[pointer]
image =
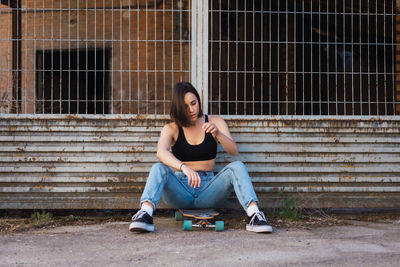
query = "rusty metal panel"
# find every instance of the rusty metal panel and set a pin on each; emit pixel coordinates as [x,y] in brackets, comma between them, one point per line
[102,162]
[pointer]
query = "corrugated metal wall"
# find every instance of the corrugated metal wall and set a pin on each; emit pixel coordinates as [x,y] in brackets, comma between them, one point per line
[102,162]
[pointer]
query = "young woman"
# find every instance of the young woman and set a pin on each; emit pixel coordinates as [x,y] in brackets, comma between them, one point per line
[187,148]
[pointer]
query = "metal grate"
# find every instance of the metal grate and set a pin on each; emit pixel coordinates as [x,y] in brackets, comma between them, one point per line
[286,57]
[92,57]
[336,57]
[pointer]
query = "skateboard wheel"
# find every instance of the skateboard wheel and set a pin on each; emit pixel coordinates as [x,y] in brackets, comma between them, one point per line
[178,216]
[219,226]
[187,225]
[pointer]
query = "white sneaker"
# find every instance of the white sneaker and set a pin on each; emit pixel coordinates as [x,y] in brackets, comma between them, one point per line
[257,223]
[142,222]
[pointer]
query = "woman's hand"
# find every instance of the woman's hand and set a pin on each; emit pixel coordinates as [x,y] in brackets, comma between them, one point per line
[194,179]
[219,129]
[210,127]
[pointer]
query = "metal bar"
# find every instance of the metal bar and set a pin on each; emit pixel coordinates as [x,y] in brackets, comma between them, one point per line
[105,83]
[216,41]
[319,61]
[95,60]
[147,66]
[9,87]
[180,6]
[311,65]
[212,41]
[303,52]
[352,60]
[255,119]
[193,62]
[187,71]
[384,58]
[228,97]
[189,11]
[369,62]
[78,74]
[253,56]
[336,61]
[344,59]
[34,63]
[138,61]
[125,7]
[60,58]
[394,64]
[25,92]
[163,47]
[199,64]
[121,60]
[219,57]
[16,56]
[287,61]
[295,61]
[43,63]
[87,62]
[155,61]
[204,57]
[262,59]
[237,56]
[245,60]
[361,80]
[172,46]
[112,61]
[376,63]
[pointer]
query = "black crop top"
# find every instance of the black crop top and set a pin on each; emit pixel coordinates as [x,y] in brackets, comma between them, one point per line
[184,151]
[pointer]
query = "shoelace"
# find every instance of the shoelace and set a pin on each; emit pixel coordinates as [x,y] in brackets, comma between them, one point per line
[260,215]
[138,214]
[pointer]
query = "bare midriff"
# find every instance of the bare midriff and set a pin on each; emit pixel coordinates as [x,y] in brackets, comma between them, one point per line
[204,165]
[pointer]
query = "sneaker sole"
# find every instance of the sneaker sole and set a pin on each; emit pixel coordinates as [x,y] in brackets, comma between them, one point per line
[141,227]
[259,229]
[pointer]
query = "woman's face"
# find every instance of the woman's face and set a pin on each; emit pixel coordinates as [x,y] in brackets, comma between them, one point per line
[192,105]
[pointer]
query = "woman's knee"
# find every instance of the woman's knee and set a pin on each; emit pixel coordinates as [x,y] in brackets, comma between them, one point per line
[159,167]
[159,170]
[237,165]
[239,170]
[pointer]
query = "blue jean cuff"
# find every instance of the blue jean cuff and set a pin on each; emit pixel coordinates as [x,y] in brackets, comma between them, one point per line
[251,201]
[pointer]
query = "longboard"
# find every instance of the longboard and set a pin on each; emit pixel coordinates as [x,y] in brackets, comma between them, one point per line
[201,216]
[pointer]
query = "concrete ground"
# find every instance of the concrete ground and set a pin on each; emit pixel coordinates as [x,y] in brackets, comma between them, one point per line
[111,244]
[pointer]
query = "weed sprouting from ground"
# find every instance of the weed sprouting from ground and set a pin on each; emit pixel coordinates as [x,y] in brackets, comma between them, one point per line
[72,218]
[38,219]
[289,209]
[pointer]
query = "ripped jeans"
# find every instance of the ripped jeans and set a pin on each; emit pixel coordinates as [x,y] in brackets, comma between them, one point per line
[214,189]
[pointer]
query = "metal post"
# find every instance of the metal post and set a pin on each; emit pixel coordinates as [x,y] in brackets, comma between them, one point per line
[397,60]
[16,56]
[199,49]
[290,62]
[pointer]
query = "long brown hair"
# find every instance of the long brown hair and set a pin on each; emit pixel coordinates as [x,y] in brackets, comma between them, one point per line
[178,112]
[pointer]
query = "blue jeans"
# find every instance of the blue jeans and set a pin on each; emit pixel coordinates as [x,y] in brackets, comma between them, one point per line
[214,189]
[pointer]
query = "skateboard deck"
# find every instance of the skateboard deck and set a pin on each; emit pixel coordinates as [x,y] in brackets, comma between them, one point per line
[201,216]
[199,213]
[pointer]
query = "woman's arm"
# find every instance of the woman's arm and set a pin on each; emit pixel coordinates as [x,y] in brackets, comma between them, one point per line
[165,156]
[163,148]
[220,130]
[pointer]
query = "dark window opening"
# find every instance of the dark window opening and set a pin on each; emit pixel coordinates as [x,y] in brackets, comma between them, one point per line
[72,82]
[303,57]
